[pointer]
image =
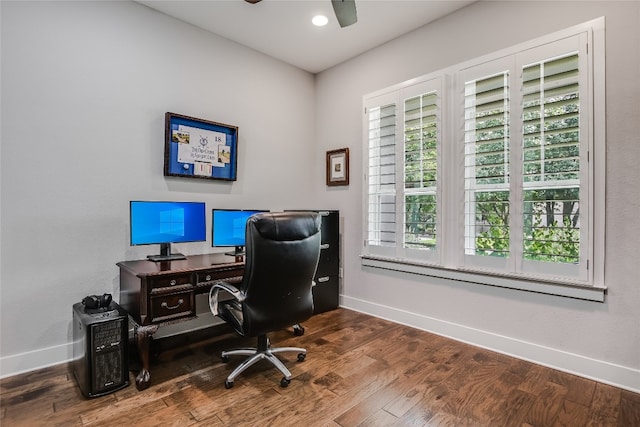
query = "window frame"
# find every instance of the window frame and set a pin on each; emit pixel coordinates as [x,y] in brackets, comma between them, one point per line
[448,262]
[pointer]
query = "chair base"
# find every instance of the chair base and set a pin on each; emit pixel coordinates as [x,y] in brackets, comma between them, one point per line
[263,351]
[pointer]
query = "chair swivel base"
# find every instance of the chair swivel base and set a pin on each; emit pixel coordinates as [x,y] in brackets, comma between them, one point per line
[263,351]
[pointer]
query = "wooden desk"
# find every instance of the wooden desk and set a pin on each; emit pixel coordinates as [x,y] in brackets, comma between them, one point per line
[162,293]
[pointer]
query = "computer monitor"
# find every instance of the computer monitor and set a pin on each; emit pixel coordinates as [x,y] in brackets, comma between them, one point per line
[163,223]
[228,228]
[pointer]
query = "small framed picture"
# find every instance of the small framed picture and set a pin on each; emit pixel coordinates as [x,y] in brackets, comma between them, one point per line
[338,167]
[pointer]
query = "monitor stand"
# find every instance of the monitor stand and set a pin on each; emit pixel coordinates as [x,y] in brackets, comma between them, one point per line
[239,251]
[165,254]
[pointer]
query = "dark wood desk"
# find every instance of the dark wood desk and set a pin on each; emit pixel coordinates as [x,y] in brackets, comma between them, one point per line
[162,293]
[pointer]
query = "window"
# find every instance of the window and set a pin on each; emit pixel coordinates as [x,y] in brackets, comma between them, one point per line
[516,133]
[487,166]
[382,176]
[551,160]
[403,143]
[420,171]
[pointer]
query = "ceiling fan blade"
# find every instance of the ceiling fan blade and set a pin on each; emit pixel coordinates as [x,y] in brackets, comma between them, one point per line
[345,12]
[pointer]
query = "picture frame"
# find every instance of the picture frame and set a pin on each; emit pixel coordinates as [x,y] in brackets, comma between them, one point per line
[338,167]
[198,148]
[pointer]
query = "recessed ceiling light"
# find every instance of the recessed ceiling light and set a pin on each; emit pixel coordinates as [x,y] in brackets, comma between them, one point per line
[320,21]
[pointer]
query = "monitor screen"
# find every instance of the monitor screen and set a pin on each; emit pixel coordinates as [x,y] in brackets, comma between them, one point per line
[167,222]
[228,226]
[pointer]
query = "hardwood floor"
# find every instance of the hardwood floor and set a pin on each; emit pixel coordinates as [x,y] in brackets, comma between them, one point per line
[359,371]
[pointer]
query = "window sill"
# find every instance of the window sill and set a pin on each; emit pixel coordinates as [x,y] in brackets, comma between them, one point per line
[559,289]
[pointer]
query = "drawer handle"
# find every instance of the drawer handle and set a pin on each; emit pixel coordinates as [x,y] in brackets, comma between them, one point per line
[208,277]
[324,246]
[165,305]
[323,279]
[173,282]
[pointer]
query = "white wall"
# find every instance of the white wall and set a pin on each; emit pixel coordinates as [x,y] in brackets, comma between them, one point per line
[599,340]
[85,86]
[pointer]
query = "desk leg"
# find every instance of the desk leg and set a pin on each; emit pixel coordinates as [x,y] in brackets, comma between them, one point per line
[144,335]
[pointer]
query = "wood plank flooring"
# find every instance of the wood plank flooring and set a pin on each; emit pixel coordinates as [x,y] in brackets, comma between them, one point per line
[359,371]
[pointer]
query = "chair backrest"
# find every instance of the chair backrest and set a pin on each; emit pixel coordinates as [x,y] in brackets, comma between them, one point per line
[282,252]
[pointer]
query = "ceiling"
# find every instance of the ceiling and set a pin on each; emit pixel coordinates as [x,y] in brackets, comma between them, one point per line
[282,28]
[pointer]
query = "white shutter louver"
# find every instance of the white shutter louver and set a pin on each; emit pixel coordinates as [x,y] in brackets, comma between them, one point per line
[420,170]
[551,160]
[381,176]
[486,115]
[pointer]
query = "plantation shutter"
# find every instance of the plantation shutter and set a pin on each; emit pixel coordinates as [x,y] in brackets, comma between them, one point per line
[487,165]
[381,178]
[492,170]
[551,160]
[421,151]
[554,206]
[420,170]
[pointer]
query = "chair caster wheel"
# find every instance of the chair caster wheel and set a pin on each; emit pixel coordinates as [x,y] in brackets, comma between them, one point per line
[228,384]
[284,382]
[301,357]
[298,330]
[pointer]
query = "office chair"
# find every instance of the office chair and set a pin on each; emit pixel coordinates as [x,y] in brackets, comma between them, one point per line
[282,252]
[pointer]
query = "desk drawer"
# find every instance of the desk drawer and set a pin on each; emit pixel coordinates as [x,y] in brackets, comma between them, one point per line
[170,306]
[166,283]
[326,294]
[207,276]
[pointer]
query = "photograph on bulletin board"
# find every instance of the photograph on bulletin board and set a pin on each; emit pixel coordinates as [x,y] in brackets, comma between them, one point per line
[198,148]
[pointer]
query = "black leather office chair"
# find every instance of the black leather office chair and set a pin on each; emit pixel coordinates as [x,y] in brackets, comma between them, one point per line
[282,251]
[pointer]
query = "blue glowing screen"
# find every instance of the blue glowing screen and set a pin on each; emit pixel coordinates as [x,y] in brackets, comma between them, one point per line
[167,222]
[228,226]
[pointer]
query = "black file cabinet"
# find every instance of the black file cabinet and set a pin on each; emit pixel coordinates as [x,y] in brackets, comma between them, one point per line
[327,279]
[327,289]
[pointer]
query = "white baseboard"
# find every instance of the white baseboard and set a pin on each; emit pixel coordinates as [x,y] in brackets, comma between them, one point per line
[37,359]
[597,370]
[43,358]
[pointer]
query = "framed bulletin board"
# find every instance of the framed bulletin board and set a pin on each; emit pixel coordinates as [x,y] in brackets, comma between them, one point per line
[197,148]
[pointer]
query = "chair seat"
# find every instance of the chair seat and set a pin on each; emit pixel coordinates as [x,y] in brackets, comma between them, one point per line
[231,312]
